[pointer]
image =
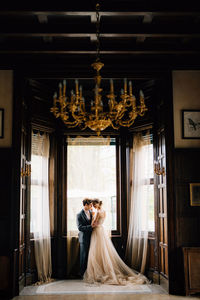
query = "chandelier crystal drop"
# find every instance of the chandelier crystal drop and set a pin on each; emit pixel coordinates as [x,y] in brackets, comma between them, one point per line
[117,113]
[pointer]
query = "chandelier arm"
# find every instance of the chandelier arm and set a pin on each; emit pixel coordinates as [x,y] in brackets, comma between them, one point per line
[114,126]
[120,114]
[78,119]
[127,123]
[71,124]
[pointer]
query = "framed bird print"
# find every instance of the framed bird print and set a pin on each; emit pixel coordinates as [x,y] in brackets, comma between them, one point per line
[195,194]
[191,124]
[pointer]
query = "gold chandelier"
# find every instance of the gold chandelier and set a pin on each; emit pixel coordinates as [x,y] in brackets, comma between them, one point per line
[72,111]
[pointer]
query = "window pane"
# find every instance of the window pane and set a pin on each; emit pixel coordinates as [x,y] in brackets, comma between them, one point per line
[151,208]
[149,188]
[39,187]
[91,173]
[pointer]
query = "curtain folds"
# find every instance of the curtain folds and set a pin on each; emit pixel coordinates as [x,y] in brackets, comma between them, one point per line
[40,220]
[136,251]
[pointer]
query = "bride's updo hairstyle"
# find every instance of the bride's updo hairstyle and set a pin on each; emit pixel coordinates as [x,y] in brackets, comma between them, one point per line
[97,201]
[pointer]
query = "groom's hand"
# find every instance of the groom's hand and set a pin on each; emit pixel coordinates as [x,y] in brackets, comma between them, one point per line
[94,225]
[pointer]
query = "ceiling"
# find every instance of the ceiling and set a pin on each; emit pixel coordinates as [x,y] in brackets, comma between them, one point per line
[134,36]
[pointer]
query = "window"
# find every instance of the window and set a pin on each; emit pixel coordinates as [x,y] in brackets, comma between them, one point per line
[39,184]
[149,185]
[91,173]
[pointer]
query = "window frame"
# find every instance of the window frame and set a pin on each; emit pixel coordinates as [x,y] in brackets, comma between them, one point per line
[116,232]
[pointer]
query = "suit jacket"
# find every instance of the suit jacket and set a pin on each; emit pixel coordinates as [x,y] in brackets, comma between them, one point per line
[84,227]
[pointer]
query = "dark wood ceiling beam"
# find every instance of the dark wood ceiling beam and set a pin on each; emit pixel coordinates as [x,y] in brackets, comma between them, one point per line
[92,36]
[104,52]
[160,13]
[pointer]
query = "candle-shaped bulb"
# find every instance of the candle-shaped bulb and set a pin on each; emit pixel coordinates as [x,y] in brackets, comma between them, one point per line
[76,84]
[130,88]
[60,89]
[80,89]
[141,97]
[122,91]
[125,85]
[141,94]
[54,98]
[111,86]
[72,92]
[64,87]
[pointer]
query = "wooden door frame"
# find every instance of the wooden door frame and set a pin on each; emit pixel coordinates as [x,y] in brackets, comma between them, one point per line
[18,95]
[19,85]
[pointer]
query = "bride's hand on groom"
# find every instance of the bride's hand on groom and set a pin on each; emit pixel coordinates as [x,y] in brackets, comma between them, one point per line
[93,225]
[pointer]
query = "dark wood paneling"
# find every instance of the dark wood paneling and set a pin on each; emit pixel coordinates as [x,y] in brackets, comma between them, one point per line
[187,165]
[4,272]
[5,204]
[191,269]
[5,198]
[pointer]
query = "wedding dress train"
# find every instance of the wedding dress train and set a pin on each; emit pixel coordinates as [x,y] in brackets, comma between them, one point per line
[104,264]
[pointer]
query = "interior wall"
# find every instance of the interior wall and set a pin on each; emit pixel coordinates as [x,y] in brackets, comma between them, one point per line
[186,95]
[6,102]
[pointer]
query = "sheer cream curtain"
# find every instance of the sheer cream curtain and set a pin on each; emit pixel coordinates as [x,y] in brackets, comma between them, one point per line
[40,221]
[136,251]
[88,172]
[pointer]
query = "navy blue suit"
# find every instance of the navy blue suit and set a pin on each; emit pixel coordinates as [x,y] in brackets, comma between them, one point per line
[85,231]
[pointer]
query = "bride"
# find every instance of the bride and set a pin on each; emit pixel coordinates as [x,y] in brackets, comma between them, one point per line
[104,264]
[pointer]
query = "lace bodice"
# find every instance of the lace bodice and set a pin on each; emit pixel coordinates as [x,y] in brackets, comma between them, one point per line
[100,217]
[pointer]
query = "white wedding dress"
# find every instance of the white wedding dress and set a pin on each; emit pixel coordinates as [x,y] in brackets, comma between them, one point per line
[104,264]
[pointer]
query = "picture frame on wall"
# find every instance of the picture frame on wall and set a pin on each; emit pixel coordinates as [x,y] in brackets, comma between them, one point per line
[195,194]
[1,123]
[191,124]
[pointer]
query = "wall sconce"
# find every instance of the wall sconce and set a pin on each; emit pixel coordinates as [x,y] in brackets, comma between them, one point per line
[158,170]
[26,172]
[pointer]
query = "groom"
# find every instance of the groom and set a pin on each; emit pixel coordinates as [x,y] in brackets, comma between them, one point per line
[84,220]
